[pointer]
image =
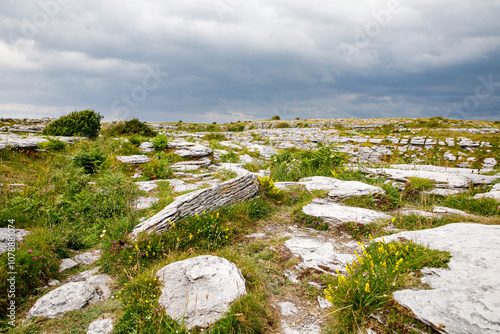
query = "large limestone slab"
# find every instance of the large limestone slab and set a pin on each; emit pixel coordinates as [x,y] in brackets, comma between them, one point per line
[184,166]
[491,194]
[71,296]
[190,150]
[337,213]
[318,254]
[464,297]
[340,189]
[230,192]
[200,290]
[133,159]
[445,178]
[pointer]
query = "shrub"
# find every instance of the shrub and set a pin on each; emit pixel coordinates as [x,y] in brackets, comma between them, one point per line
[157,169]
[215,136]
[86,123]
[160,143]
[133,126]
[292,165]
[53,144]
[269,189]
[275,118]
[380,270]
[90,161]
[282,125]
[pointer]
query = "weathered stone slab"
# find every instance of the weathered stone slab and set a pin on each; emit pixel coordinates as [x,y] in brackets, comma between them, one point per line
[318,254]
[101,326]
[236,190]
[336,213]
[133,159]
[191,150]
[464,297]
[184,166]
[198,291]
[340,189]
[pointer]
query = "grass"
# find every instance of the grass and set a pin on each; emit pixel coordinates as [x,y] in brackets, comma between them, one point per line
[380,270]
[68,206]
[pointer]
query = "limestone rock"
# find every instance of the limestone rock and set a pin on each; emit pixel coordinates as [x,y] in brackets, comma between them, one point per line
[67,264]
[184,166]
[265,151]
[340,189]
[230,144]
[146,147]
[464,297]
[71,296]
[236,190]
[200,290]
[336,213]
[88,257]
[147,186]
[246,159]
[142,202]
[489,163]
[318,254]
[190,150]
[101,326]
[179,186]
[133,159]
[490,194]
[10,237]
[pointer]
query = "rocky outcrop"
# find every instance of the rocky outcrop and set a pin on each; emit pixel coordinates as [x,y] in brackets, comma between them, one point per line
[101,326]
[198,291]
[190,150]
[71,296]
[236,190]
[134,159]
[336,213]
[184,166]
[464,297]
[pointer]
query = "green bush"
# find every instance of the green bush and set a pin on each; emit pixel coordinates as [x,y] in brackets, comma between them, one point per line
[215,136]
[275,118]
[86,123]
[292,165]
[53,144]
[90,161]
[130,127]
[160,143]
[282,125]
[157,169]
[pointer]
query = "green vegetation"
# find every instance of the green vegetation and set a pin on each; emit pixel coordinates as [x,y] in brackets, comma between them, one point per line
[381,269]
[90,161]
[130,127]
[292,165]
[85,123]
[53,144]
[275,118]
[160,143]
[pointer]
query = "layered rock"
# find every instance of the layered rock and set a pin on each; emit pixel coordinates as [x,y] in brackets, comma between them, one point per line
[198,291]
[236,190]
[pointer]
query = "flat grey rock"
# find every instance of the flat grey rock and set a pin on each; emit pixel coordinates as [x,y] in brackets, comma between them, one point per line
[142,202]
[318,254]
[340,189]
[200,290]
[101,326]
[336,213]
[147,186]
[184,166]
[246,159]
[146,147]
[491,194]
[464,297]
[134,159]
[190,150]
[88,257]
[230,144]
[67,264]
[179,186]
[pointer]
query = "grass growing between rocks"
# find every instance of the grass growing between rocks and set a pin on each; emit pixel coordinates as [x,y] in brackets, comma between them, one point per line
[381,269]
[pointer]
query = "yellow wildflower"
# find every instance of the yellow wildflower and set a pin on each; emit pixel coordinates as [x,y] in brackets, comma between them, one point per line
[367,287]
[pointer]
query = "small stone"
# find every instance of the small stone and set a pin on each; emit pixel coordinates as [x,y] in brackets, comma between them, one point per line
[101,326]
[67,264]
[133,159]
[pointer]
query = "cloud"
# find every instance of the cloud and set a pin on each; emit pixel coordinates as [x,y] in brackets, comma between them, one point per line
[234,60]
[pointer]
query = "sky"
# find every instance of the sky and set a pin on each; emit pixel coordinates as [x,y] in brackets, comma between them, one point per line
[229,60]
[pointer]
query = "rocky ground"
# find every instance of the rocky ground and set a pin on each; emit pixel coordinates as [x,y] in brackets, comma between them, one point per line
[216,172]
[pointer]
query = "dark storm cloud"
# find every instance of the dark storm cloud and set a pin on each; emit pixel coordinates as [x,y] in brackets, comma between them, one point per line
[226,60]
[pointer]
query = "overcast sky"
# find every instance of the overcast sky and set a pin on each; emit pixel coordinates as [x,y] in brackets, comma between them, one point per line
[229,60]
